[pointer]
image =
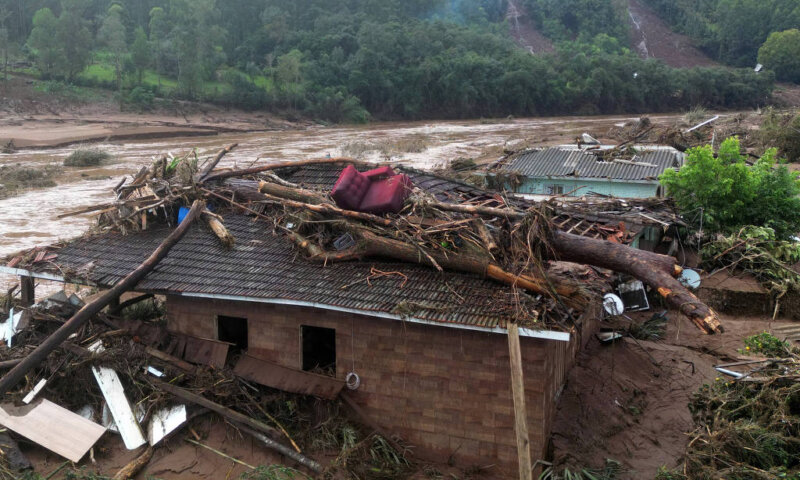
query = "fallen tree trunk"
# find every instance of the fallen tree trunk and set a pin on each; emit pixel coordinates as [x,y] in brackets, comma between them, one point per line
[617,257]
[93,308]
[655,270]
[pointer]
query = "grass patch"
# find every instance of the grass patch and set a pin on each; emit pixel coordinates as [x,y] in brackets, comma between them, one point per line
[86,157]
[16,178]
[696,115]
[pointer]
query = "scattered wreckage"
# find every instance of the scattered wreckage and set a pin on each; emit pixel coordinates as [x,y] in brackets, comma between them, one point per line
[369,213]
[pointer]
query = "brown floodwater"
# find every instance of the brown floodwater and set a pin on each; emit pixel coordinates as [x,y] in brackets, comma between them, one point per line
[30,219]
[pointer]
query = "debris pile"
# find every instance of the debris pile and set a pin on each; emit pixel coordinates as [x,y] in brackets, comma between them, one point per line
[747,427]
[149,377]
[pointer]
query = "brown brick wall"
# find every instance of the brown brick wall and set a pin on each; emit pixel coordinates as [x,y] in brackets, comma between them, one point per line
[447,391]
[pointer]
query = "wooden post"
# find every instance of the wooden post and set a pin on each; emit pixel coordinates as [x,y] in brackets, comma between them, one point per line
[93,308]
[28,291]
[520,412]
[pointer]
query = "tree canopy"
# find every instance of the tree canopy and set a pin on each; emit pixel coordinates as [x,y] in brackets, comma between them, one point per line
[781,54]
[725,193]
[353,59]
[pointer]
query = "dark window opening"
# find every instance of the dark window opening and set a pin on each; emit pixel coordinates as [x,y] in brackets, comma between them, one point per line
[319,349]
[233,330]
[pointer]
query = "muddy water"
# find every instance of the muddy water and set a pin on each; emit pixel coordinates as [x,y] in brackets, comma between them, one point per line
[30,219]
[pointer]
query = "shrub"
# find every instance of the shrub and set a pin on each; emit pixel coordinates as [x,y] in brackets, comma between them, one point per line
[90,157]
[725,194]
[766,344]
[139,99]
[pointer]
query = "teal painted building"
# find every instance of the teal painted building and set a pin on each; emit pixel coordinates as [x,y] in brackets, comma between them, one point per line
[573,172]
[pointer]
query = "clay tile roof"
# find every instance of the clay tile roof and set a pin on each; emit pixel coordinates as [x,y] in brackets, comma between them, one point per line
[265,266]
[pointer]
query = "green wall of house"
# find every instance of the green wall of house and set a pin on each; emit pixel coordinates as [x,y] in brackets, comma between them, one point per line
[578,187]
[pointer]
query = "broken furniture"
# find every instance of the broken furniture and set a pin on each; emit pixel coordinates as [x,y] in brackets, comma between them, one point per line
[379,190]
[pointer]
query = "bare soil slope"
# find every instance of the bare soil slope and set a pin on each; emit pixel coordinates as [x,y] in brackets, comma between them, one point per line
[652,38]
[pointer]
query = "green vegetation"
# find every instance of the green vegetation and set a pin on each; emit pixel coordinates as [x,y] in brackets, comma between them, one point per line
[90,157]
[726,194]
[757,251]
[353,60]
[730,31]
[783,131]
[610,471]
[566,20]
[780,54]
[746,430]
[766,344]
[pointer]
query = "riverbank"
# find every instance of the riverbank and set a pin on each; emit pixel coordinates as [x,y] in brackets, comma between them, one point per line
[32,117]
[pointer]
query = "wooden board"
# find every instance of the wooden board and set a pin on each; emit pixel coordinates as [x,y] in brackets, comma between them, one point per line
[118,404]
[54,428]
[205,351]
[287,379]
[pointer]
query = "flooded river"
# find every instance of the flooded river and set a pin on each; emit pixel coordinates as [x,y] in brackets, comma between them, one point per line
[30,219]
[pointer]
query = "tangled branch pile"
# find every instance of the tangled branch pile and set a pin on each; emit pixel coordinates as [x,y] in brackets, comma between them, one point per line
[749,428]
[756,250]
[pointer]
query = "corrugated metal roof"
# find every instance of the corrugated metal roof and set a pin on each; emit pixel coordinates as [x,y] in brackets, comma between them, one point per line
[263,265]
[558,162]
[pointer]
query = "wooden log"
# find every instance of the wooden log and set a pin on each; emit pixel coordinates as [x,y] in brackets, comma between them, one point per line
[273,166]
[520,412]
[236,417]
[135,466]
[216,226]
[296,194]
[486,237]
[28,291]
[617,257]
[93,308]
[211,165]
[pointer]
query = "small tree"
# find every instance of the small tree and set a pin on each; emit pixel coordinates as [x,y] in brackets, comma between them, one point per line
[730,194]
[140,53]
[43,42]
[112,34]
[781,53]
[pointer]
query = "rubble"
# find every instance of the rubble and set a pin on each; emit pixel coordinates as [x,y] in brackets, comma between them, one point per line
[512,242]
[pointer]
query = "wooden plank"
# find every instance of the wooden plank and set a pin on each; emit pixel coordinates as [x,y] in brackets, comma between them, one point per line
[287,379]
[520,413]
[53,427]
[205,351]
[164,422]
[111,387]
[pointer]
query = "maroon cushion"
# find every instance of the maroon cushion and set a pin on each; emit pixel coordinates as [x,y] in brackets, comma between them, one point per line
[386,196]
[350,188]
[379,173]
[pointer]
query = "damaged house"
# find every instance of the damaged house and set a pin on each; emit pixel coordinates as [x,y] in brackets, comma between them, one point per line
[578,172]
[295,294]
